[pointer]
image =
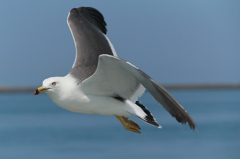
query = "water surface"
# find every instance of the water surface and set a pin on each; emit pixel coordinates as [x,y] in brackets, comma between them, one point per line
[34,127]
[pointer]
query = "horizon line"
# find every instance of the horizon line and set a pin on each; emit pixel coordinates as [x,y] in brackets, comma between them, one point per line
[9,89]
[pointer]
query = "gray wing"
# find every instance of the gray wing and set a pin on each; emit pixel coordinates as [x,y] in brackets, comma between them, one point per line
[88,29]
[117,77]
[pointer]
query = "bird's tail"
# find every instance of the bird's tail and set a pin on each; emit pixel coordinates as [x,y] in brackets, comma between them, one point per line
[145,115]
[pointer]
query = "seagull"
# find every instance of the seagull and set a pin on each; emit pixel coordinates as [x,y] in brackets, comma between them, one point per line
[102,83]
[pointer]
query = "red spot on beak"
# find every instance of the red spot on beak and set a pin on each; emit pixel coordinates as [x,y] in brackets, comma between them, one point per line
[36,92]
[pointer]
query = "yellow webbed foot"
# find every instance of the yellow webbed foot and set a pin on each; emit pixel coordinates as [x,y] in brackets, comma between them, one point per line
[129,124]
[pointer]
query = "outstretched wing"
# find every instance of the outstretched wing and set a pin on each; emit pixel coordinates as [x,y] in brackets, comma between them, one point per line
[88,29]
[117,77]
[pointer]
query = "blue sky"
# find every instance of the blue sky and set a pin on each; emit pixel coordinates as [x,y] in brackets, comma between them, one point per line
[175,42]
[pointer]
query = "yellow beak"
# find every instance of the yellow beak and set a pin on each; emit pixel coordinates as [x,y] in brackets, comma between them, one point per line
[40,90]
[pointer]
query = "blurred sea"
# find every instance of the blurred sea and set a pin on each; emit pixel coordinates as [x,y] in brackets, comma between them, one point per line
[32,127]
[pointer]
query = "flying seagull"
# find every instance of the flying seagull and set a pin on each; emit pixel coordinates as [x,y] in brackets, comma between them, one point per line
[102,83]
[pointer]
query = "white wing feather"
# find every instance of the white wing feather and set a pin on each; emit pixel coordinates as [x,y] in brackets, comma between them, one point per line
[117,77]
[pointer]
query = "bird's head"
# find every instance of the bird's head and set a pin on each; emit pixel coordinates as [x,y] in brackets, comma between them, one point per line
[50,85]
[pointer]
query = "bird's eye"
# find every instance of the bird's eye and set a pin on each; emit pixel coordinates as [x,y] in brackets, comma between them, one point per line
[54,83]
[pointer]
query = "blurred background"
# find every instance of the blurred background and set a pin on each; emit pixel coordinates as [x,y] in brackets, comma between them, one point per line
[175,42]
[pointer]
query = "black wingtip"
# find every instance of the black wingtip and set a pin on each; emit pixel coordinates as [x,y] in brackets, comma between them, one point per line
[191,123]
[93,15]
[188,120]
[171,105]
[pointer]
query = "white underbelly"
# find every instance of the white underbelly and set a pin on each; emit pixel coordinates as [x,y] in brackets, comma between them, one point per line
[94,105]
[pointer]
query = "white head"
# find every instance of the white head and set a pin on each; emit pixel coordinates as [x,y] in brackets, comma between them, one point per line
[50,85]
[58,87]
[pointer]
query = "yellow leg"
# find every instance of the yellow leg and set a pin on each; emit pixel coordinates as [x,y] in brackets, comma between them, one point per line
[129,124]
